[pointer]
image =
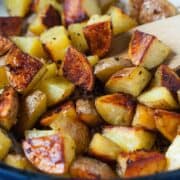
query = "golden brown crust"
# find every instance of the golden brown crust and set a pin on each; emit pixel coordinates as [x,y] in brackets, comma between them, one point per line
[21,68]
[74,12]
[99,37]
[5,44]
[11,26]
[77,69]
[46,153]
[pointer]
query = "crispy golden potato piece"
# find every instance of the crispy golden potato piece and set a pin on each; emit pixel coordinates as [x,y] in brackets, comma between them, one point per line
[144,117]
[3,79]
[108,66]
[9,104]
[77,69]
[116,109]
[158,97]
[5,144]
[89,168]
[98,19]
[5,45]
[103,148]
[23,71]
[11,26]
[87,113]
[146,50]
[167,123]
[93,60]
[172,154]
[130,80]
[74,12]
[166,77]
[152,10]
[51,154]
[129,138]
[140,163]
[99,37]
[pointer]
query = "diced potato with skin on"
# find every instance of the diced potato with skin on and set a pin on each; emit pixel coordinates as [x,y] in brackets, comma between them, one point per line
[99,37]
[130,80]
[18,7]
[103,148]
[23,71]
[173,154]
[146,50]
[93,60]
[116,109]
[140,163]
[87,113]
[105,4]
[129,138]
[32,107]
[30,45]
[18,161]
[105,68]
[158,97]
[167,123]
[144,117]
[56,89]
[56,41]
[77,69]
[5,45]
[166,77]
[3,79]
[5,144]
[89,168]
[51,154]
[77,36]
[11,26]
[9,105]
[121,22]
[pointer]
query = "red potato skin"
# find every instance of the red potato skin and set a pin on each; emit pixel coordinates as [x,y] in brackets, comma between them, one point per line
[5,44]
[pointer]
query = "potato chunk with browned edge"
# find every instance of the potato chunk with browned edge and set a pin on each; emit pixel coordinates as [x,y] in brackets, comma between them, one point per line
[3,79]
[140,163]
[167,123]
[23,71]
[5,45]
[116,109]
[77,69]
[51,154]
[88,168]
[9,105]
[146,50]
[99,37]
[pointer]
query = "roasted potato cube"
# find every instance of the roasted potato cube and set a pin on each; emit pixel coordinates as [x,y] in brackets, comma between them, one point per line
[11,26]
[51,71]
[108,66]
[105,4]
[152,10]
[3,79]
[57,89]
[77,69]
[5,144]
[116,109]
[87,112]
[18,161]
[172,154]
[23,71]
[77,36]
[121,22]
[146,50]
[130,80]
[93,60]
[5,45]
[89,168]
[130,138]
[158,97]
[99,37]
[32,107]
[30,45]
[144,117]
[140,163]
[9,105]
[56,42]
[98,19]
[102,147]
[166,77]
[18,7]
[51,154]
[167,123]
